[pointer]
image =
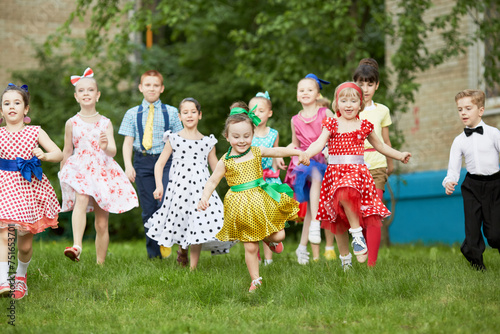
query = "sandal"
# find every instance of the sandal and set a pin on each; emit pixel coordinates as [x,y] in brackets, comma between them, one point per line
[73,253]
[182,257]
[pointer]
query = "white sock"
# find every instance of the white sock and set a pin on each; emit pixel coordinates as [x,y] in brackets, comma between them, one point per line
[302,248]
[356,232]
[22,268]
[4,271]
[327,248]
[346,259]
[266,261]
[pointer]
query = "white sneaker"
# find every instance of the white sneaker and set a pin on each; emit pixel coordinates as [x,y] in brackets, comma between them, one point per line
[302,256]
[346,262]
[315,232]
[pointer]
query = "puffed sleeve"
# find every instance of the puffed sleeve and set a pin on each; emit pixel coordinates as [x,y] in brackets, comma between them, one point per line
[331,124]
[167,135]
[211,141]
[367,127]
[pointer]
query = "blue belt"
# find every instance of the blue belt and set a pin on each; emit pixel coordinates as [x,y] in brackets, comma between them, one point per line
[25,167]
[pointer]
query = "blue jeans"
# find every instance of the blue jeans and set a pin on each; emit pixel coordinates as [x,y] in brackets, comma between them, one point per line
[145,181]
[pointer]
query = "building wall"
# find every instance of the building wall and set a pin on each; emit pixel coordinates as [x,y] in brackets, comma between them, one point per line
[23,23]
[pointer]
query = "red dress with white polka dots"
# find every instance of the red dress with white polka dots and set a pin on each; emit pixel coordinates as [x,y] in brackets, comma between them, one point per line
[351,182]
[29,206]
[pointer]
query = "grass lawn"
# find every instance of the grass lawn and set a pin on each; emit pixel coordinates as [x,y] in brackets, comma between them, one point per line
[413,289]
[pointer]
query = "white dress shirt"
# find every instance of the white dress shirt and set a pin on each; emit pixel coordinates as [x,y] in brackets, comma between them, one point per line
[481,153]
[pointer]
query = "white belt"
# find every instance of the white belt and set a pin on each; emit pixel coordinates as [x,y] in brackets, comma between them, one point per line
[346,159]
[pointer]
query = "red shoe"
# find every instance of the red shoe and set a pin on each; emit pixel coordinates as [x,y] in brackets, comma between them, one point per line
[20,288]
[255,284]
[73,253]
[5,289]
[275,247]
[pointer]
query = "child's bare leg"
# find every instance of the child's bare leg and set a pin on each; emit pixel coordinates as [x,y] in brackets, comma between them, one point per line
[79,218]
[352,216]
[251,259]
[25,246]
[313,205]
[194,256]
[305,228]
[102,233]
[4,244]
[276,237]
[343,243]
[268,254]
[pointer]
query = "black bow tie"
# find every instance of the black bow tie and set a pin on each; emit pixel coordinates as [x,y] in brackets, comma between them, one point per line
[469,131]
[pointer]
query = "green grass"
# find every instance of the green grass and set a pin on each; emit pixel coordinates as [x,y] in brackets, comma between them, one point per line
[413,289]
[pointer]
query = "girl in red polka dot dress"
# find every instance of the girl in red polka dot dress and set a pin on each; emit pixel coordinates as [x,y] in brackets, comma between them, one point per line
[348,198]
[29,203]
[253,209]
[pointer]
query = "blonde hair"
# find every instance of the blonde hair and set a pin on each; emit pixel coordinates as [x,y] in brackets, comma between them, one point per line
[348,92]
[477,96]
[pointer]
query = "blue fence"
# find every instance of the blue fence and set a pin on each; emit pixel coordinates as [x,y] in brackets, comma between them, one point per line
[423,212]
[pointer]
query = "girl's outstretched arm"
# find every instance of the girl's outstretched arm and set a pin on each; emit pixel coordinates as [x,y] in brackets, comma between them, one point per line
[404,157]
[387,141]
[213,181]
[159,166]
[276,152]
[107,141]
[319,144]
[52,151]
[278,162]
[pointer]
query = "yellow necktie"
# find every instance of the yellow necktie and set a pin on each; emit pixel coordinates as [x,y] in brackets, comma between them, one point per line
[147,139]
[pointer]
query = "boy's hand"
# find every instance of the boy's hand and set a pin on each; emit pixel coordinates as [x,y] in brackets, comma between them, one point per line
[281,163]
[103,141]
[202,205]
[406,157]
[450,187]
[37,152]
[158,193]
[304,159]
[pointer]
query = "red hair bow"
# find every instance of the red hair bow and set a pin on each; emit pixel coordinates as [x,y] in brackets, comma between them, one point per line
[88,73]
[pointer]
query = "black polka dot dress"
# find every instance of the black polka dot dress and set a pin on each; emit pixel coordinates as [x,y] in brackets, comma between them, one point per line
[178,221]
[252,215]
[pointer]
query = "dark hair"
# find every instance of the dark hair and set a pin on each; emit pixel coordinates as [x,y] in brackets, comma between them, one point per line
[260,98]
[239,104]
[237,118]
[190,99]
[24,93]
[367,71]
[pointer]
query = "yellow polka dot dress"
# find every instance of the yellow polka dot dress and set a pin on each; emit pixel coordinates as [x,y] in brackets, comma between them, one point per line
[251,215]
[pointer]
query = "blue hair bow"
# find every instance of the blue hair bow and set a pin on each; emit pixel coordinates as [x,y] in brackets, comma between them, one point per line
[23,87]
[318,80]
[264,95]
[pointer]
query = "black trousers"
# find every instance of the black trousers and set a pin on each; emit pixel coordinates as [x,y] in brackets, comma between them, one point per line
[481,195]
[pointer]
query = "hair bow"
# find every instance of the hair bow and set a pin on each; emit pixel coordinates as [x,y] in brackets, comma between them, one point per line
[255,119]
[88,73]
[23,87]
[318,80]
[264,95]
